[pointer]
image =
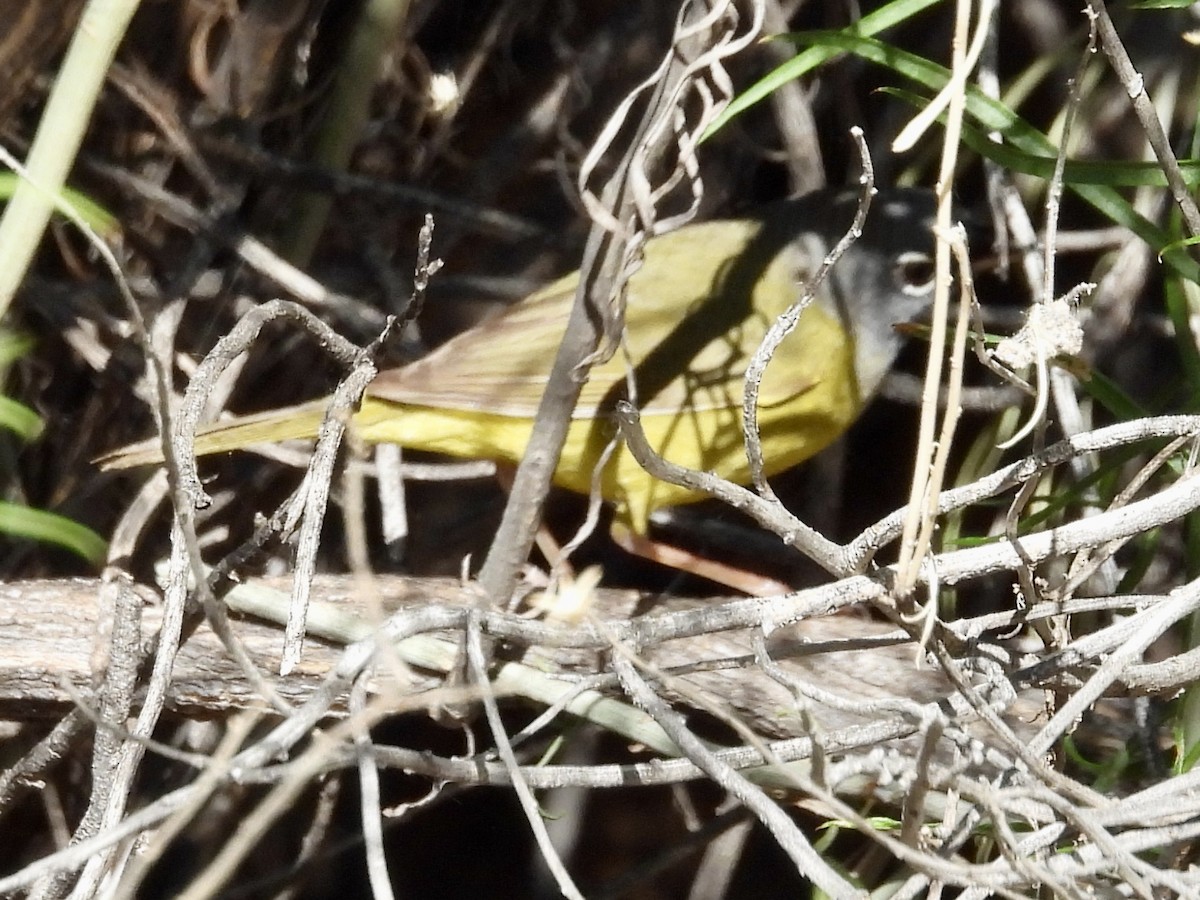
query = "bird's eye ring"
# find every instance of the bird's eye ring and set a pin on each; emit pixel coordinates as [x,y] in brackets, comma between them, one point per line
[913,272]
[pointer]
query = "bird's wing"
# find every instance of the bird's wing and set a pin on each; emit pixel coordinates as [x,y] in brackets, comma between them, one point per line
[689,348]
[499,366]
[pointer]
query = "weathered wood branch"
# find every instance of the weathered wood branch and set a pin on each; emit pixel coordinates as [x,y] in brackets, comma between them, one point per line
[53,634]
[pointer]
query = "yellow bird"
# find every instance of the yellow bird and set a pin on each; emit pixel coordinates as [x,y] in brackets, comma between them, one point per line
[696,312]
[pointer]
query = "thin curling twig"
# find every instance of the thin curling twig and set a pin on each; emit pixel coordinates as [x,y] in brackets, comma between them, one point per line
[785,832]
[318,481]
[769,513]
[227,349]
[854,556]
[786,323]
[957,241]
[1086,564]
[692,71]
[310,500]
[924,491]
[478,659]
[1135,87]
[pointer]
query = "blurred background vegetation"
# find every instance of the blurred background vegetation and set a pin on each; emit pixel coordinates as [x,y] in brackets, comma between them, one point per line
[327,130]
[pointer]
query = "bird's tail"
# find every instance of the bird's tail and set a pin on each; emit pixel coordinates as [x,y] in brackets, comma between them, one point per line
[270,427]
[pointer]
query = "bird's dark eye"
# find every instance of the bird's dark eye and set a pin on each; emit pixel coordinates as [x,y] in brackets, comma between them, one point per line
[913,272]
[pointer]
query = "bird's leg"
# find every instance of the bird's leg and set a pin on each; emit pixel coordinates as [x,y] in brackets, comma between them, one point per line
[743,580]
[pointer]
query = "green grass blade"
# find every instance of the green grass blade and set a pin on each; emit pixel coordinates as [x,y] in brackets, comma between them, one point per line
[893,14]
[38,525]
[13,346]
[96,216]
[19,418]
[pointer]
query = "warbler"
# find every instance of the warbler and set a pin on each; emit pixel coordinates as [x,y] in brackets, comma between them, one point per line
[696,312]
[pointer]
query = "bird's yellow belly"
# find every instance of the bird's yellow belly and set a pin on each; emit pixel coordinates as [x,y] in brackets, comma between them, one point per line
[706,434]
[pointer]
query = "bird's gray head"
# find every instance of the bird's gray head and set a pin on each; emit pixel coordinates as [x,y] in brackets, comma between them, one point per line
[885,278]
